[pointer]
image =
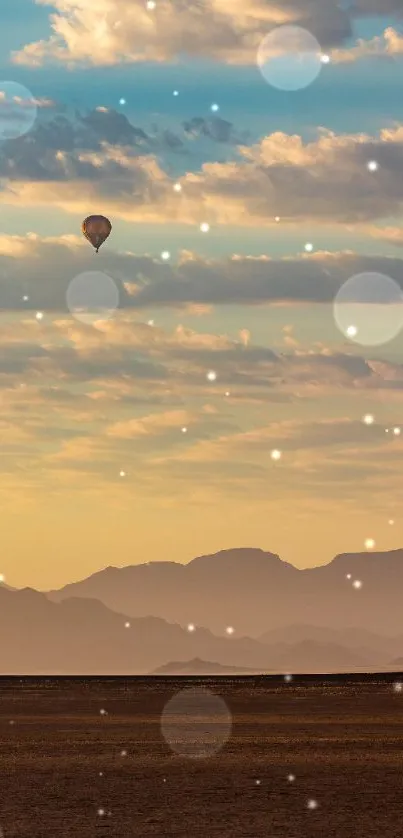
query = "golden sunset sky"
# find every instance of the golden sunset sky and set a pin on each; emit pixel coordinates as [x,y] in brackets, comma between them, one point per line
[147,434]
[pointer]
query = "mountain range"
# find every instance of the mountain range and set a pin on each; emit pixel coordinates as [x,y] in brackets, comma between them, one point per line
[80,636]
[166,618]
[254,591]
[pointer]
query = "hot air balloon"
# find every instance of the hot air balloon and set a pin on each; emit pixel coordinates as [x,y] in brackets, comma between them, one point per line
[96,229]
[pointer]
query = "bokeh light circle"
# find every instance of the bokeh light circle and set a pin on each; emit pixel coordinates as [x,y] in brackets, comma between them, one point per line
[196,723]
[18,110]
[92,296]
[289,58]
[368,309]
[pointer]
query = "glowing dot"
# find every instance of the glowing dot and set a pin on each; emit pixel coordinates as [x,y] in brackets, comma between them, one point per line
[288,678]
[372,166]
[39,315]
[165,254]
[369,543]
[277,218]
[150,322]
[357,584]
[227,393]
[291,778]
[123,753]
[127,625]
[312,804]
[103,712]
[176,93]
[391,522]
[25,298]
[101,812]
[351,331]
[204,227]
[191,627]
[122,474]
[397,686]
[151,4]
[101,774]
[122,101]
[368,419]
[211,375]
[348,575]
[215,107]
[177,187]
[184,430]
[2,577]
[309,247]
[229,630]
[275,455]
[257,782]
[396,431]
[325,59]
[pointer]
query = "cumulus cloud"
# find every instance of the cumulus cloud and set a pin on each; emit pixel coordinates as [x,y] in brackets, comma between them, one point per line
[125,31]
[43,268]
[387,45]
[279,176]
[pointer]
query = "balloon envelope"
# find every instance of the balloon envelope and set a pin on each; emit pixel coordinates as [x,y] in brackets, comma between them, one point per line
[96,229]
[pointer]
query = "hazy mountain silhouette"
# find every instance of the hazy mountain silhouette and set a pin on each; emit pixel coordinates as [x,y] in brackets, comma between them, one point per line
[83,637]
[199,667]
[363,641]
[255,591]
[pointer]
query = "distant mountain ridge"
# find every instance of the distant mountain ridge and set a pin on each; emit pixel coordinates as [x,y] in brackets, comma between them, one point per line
[255,591]
[80,636]
[199,667]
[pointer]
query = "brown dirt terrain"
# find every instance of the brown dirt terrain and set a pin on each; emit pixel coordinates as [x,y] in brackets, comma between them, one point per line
[341,738]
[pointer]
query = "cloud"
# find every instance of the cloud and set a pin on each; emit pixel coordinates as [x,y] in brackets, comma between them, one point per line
[43,268]
[230,31]
[151,425]
[279,176]
[327,457]
[387,45]
[287,436]
[217,129]
[80,404]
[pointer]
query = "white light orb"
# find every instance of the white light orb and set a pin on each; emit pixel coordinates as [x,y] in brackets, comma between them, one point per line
[18,110]
[92,296]
[373,303]
[289,58]
[195,723]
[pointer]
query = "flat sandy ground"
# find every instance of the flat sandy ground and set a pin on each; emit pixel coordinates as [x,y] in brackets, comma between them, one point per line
[61,760]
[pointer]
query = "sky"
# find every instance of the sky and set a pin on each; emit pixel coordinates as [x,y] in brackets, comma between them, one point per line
[227,371]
